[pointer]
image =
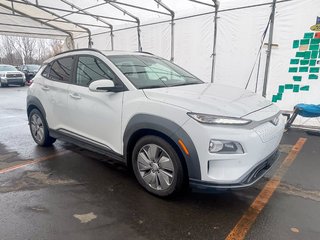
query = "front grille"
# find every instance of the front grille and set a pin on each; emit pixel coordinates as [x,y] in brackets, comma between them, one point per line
[13,75]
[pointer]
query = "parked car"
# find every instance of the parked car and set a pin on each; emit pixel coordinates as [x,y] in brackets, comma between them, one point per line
[168,126]
[10,75]
[30,70]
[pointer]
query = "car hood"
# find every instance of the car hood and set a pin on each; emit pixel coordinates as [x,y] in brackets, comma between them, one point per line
[3,73]
[11,72]
[210,99]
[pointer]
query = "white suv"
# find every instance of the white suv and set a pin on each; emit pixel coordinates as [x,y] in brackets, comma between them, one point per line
[171,128]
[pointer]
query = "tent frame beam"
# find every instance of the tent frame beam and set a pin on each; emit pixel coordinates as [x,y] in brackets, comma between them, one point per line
[45,19]
[203,3]
[137,7]
[93,16]
[72,12]
[28,26]
[65,19]
[41,22]
[28,33]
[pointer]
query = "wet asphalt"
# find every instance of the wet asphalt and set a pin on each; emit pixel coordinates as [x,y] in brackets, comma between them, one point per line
[83,195]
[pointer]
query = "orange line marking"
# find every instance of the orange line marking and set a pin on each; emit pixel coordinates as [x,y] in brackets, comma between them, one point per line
[9,169]
[248,218]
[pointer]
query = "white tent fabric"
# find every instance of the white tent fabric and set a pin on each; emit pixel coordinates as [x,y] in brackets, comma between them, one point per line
[63,13]
[239,38]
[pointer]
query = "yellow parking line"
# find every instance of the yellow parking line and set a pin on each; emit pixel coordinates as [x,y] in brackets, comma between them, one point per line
[37,160]
[248,218]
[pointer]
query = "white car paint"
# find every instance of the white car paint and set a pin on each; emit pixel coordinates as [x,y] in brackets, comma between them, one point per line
[103,117]
[210,99]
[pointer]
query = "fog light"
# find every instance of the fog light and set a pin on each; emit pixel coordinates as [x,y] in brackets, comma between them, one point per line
[225,147]
[215,146]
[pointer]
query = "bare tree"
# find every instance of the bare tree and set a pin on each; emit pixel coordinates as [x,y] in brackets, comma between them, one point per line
[56,46]
[20,50]
[42,48]
[9,53]
[26,47]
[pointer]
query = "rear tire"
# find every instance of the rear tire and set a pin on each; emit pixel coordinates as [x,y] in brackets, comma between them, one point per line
[157,166]
[39,129]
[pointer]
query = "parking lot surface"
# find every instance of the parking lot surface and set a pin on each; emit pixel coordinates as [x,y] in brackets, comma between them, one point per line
[66,192]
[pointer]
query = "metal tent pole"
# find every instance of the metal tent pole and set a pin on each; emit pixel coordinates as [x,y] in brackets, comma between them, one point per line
[172,38]
[216,7]
[266,73]
[159,2]
[35,19]
[93,16]
[132,16]
[65,19]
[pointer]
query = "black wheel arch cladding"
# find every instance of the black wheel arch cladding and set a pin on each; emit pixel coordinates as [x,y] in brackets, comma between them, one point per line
[171,130]
[34,102]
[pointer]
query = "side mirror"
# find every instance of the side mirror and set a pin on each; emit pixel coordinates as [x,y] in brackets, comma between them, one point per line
[104,85]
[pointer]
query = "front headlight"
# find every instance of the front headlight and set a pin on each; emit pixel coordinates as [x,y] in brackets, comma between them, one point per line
[220,120]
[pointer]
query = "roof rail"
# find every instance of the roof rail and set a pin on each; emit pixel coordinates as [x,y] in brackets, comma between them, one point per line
[79,49]
[145,52]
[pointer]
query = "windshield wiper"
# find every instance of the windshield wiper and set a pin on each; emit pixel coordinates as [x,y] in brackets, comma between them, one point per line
[183,84]
[153,86]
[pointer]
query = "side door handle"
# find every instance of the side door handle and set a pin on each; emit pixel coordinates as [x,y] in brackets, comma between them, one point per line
[45,88]
[75,95]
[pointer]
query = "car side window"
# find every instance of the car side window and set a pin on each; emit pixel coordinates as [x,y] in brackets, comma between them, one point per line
[61,69]
[46,71]
[90,69]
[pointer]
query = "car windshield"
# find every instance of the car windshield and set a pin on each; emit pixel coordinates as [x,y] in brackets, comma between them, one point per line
[7,68]
[152,72]
[33,67]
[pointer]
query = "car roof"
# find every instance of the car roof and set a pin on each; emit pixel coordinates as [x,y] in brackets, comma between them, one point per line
[104,52]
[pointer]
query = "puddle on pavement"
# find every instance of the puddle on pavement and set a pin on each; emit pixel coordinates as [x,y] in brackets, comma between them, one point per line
[33,180]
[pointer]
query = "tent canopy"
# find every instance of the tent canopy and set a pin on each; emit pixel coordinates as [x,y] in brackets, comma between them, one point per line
[72,18]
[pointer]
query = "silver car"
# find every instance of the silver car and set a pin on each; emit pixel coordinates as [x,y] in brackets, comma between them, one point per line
[10,75]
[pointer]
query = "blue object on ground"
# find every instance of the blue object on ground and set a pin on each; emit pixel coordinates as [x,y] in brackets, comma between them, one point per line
[308,110]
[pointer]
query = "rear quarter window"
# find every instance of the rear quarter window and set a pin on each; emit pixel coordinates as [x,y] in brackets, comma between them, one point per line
[46,71]
[59,70]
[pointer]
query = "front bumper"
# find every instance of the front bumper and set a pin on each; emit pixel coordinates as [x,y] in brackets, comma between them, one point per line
[260,144]
[13,80]
[252,177]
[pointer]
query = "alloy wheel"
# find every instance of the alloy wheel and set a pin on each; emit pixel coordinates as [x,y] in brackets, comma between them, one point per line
[155,167]
[37,127]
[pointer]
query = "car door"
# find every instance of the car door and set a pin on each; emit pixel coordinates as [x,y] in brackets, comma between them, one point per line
[95,116]
[55,86]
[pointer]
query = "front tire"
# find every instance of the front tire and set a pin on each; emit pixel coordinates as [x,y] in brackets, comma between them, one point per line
[157,166]
[39,129]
